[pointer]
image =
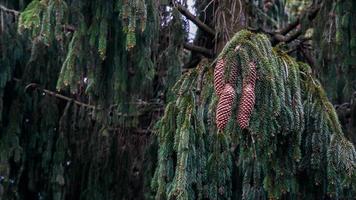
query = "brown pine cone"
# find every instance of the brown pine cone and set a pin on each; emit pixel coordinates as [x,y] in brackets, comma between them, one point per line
[233,73]
[246,105]
[219,77]
[252,74]
[247,101]
[224,108]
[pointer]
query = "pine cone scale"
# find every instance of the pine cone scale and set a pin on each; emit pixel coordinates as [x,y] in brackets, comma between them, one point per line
[224,108]
[247,101]
[219,77]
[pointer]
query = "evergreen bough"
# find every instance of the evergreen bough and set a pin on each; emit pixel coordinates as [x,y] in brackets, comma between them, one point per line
[293,147]
[73,77]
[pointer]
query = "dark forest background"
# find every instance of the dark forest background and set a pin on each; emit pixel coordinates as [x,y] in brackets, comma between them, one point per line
[114,100]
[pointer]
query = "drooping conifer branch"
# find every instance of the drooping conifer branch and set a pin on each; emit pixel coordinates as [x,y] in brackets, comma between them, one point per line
[184,11]
[280,109]
[37,48]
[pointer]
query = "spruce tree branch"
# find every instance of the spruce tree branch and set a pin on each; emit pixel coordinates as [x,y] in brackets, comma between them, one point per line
[296,26]
[14,12]
[293,36]
[192,63]
[289,27]
[308,57]
[57,95]
[260,29]
[184,11]
[158,107]
[202,50]
[301,43]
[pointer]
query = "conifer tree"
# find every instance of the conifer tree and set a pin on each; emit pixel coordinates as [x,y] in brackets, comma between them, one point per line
[267,130]
[94,104]
[76,82]
[335,27]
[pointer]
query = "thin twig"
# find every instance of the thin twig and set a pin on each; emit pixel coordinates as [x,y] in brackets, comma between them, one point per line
[60,96]
[57,95]
[14,12]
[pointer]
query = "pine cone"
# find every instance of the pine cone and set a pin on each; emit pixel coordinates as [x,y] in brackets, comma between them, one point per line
[246,105]
[233,73]
[247,101]
[224,108]
[252,74]
[219,77]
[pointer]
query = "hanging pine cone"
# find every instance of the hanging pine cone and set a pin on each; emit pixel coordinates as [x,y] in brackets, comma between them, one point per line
[224,108]
[247,101]
[252,74]
[219,77]
[233,73]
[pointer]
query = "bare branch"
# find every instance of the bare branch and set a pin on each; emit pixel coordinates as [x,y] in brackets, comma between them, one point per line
[289,27]
[157,107]
[280,36]
[294,36]
[193,63]
[14,12]
[310,60]
[260,29]
[60,96]
[301,43]
[184,11]
[202,50]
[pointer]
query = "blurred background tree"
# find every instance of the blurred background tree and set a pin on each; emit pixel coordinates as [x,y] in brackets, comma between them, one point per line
[83,83]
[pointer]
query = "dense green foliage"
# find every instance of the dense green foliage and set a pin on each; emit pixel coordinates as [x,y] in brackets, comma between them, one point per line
[83,84]
[294,147]
[52,148]
[335,35]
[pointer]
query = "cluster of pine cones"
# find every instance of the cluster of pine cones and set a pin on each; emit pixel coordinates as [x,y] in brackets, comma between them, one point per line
[225,89]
